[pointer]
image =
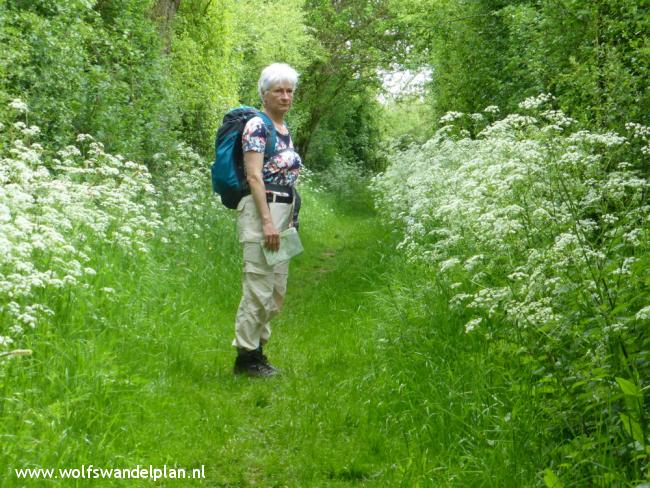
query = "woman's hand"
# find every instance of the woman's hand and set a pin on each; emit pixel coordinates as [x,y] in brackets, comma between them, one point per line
[271,237]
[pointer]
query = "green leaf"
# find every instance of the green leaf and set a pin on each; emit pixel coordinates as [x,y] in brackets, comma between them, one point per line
[551,480]
[632,428]
[628,387]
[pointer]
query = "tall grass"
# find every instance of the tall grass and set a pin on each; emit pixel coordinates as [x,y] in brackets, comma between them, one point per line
[143,375]
[113,334]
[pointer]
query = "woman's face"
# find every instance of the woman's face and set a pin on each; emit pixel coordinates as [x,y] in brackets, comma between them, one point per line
[279,97]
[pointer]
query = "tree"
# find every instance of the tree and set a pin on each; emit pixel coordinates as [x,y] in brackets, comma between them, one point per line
[218,50]
[354,40]
[86,67]
[164,12]
[593,56]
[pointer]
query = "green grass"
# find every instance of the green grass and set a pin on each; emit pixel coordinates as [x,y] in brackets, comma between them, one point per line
[381,387]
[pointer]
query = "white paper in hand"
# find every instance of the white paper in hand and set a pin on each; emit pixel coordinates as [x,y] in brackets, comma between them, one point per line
[290,246]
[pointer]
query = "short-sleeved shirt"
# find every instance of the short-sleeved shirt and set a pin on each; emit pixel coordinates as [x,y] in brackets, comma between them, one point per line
[283,168]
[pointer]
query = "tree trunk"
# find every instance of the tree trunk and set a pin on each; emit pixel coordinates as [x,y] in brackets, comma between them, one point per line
[307,131]
[163,13]
[317,112]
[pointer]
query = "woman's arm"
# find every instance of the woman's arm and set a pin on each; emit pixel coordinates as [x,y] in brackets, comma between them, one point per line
[253,163]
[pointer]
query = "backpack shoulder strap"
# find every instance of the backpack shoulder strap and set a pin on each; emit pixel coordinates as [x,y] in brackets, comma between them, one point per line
[269,149]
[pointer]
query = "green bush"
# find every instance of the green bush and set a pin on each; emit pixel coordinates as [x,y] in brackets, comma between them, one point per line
[86,67]
[593,56]
[539,234]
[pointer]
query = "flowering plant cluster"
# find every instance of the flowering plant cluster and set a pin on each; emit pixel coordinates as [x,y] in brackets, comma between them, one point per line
[58,209]
[188,209]
[540,232]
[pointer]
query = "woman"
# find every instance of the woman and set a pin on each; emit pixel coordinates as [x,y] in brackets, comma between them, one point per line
[263,214]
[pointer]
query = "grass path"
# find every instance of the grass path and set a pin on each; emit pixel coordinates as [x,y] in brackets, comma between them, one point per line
[317,424]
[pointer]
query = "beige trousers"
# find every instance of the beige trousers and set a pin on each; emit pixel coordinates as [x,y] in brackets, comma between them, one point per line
[264,286]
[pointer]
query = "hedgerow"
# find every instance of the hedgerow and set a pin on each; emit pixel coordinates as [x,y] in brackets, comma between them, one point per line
[539,232]
[58,209]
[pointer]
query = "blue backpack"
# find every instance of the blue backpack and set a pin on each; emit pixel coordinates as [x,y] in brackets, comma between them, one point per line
[228,179]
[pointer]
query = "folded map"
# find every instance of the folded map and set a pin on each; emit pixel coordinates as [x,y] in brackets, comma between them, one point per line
[290,246]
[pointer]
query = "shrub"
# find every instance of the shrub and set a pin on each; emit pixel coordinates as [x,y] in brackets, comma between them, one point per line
[89,67]
[57,213]
[540,232]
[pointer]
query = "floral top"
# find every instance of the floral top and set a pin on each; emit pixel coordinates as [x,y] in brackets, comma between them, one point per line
[283,168]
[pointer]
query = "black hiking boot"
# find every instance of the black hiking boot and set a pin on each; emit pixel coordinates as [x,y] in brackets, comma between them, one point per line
[253,363]
[264,360]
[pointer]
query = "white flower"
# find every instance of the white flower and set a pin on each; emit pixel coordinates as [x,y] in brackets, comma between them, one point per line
[530,203]
[535,102]
[5,213]
[624,269]
[643,314]
[69,151]
[31,131]
[450,117]
[16,329]
[558,118]
[448,264]
[472,324]
[638,130]
[18,105]
[5,341]
[633,237]
[565,240]
[587,225]
[608,139]
[615,327]
[517,275]
[609,219]
[491,109]
[84,137]
[471,263]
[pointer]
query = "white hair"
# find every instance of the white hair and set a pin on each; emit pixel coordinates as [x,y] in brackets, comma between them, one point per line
[276,73]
